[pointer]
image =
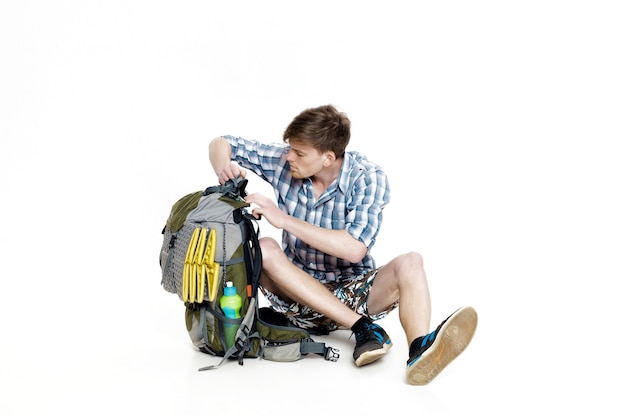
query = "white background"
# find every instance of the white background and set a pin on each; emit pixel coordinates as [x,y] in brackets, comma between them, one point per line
[501,127]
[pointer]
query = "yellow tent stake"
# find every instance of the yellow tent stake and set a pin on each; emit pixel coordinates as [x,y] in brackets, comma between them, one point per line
[201,245]
[210,254]
[192,283]
[213,278]
[212,267]
[191,249]
[198,291]
[200,269]
[201,281]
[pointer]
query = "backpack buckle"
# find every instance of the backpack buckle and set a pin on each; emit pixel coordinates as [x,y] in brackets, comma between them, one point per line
[332,354]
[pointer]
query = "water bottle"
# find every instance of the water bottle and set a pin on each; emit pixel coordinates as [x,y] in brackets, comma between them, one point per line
[230,304]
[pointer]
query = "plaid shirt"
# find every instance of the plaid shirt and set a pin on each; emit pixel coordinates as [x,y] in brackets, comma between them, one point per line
[354,203]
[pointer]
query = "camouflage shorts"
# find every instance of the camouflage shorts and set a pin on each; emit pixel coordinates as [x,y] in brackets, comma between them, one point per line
[353,292]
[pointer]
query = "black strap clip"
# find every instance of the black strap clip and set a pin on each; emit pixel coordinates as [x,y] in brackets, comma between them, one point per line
[332,354]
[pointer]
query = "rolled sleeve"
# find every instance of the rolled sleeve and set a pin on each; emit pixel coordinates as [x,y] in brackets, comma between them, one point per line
[370,194]
[262,159]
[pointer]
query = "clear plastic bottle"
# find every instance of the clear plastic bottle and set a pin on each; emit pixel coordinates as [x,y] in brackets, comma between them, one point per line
[230,303]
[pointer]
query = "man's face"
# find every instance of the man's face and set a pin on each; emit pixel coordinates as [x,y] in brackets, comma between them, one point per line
[304,160]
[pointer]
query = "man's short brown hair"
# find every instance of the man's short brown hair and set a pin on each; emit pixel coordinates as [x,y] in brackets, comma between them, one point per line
[324,127]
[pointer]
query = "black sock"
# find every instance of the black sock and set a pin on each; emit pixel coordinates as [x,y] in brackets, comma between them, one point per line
[360,322]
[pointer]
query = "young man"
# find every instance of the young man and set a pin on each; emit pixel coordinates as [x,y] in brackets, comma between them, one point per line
[330,205]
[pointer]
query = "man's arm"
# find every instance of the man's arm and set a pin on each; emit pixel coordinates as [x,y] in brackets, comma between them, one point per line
[220,154]
[337,243]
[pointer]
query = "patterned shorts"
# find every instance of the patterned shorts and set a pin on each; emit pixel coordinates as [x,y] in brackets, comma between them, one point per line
[353,292]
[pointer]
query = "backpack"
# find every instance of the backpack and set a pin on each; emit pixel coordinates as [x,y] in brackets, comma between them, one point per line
[210,238]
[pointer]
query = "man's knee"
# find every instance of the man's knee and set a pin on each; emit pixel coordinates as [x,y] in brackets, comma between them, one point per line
[271,252]
[268,242]
[409,262]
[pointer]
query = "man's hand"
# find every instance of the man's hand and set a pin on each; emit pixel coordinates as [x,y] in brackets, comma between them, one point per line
[230,171]
[265,206]
[220,156]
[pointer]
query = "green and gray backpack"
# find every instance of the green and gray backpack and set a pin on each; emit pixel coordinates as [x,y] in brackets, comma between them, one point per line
[210,238]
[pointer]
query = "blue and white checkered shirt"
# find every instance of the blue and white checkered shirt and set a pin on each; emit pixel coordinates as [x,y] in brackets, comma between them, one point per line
[354,202]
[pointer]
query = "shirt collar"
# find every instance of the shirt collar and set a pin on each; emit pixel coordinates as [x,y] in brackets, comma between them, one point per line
[343,181]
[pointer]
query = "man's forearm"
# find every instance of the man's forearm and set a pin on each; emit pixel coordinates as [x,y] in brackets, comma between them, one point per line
[338,243]
[220,154]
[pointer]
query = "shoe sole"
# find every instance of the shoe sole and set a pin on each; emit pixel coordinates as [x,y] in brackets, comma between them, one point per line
[452,339]
[372,355]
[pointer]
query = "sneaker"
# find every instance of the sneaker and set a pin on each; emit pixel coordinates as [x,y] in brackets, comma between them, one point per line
[371,341]
[430,354]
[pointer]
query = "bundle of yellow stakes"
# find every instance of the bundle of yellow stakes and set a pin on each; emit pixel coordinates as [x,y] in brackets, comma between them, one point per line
[200,268]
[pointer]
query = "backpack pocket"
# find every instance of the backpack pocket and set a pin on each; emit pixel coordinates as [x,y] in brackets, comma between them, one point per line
[281,341]
[207,331]
[281,350]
